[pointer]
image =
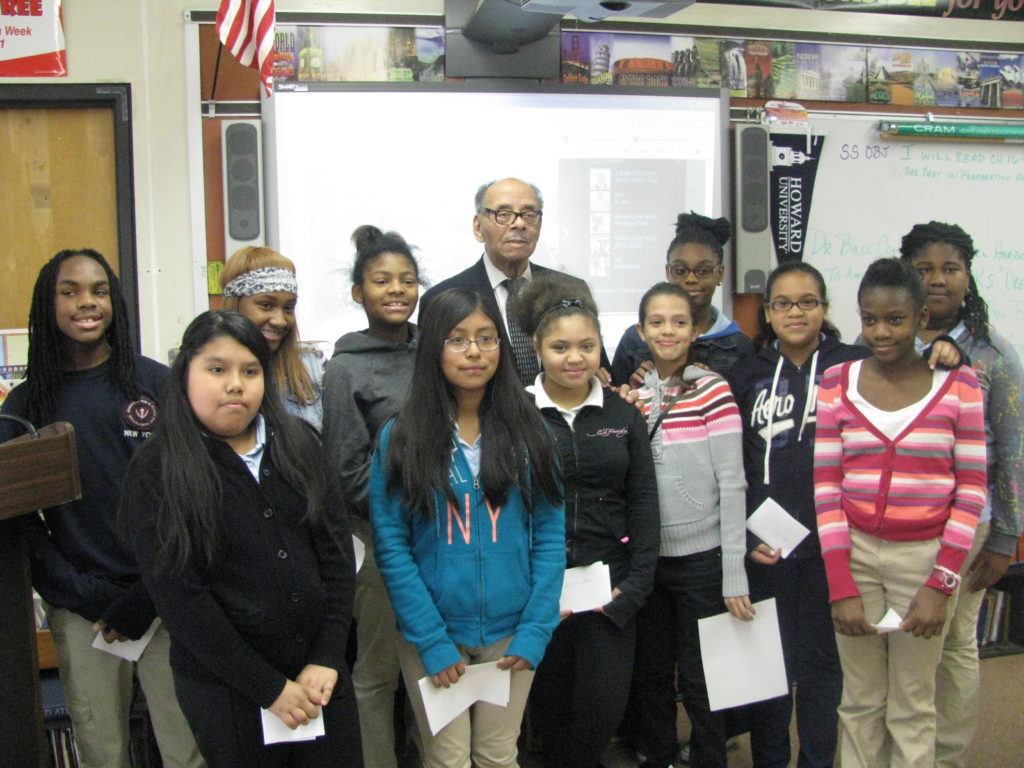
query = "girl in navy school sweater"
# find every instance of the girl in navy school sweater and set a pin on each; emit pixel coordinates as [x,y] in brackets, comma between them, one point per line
[611,516]
[243,543]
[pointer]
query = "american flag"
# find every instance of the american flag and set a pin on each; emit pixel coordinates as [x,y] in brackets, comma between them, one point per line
[246,28]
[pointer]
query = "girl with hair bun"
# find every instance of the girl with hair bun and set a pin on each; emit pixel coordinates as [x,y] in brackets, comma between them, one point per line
[695,262]
[942,254]
[611,513]
[260,283]
[899,484]
[366,383]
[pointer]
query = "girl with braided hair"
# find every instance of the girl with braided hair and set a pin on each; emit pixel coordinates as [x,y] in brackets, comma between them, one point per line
[611,509]
[82,369]
[942,254]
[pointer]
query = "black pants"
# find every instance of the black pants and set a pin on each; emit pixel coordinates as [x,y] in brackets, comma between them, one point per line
[800,589]
[229,731]
[580,689]
[685,589]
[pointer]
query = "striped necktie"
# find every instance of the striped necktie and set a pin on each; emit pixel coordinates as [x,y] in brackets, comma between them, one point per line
[522,345]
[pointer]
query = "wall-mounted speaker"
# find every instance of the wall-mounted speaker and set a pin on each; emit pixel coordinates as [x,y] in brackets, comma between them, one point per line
[755,250]
[242,150]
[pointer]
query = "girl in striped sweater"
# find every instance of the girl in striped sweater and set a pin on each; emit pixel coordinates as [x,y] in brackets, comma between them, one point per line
[695,432]
[899,484]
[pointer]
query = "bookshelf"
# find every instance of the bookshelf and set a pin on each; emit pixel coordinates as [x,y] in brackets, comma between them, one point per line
[1001,620]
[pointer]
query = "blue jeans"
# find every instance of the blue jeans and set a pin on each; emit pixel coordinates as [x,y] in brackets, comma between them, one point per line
[686,589]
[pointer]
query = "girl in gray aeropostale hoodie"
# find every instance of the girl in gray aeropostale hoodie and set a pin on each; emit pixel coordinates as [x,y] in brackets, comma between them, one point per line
[365,384]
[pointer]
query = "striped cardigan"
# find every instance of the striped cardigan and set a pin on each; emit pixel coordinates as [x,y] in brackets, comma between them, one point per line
[698,462]
[927,483]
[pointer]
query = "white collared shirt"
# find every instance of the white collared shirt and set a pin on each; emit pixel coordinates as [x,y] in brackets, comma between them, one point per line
[540,396]
[252,458]
[495,276]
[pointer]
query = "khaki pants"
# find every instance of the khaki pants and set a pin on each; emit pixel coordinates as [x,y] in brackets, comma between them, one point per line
[484,736]
[887,714]
[98,687]
[957,678]
[376,671]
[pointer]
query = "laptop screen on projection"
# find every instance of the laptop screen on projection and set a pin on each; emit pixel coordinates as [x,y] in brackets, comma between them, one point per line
[615,167]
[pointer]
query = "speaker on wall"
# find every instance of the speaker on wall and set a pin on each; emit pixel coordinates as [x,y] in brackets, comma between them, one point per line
[755,251]
[242,150]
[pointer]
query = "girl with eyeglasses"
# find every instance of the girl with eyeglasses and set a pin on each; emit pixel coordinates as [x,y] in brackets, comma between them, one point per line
[611,516]
[695,264]
[775,389]
[469,526]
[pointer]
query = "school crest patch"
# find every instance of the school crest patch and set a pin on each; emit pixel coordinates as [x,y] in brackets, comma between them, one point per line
[140,414]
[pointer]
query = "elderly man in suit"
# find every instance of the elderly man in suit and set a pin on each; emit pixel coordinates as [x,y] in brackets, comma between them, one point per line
[507,221]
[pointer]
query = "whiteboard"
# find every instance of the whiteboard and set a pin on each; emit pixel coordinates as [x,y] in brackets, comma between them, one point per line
[615,167]
[870,191]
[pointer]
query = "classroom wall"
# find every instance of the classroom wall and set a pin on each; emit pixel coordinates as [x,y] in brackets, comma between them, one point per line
[142,42]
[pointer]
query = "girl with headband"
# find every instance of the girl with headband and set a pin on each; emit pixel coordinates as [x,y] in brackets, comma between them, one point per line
[260,283]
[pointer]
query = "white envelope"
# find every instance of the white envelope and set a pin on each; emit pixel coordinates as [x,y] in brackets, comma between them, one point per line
[129,650]
[275,731]
[585,588]
[773,525]
[743,659]
[482,682]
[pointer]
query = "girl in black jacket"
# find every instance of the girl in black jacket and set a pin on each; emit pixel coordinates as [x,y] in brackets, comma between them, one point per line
[243,544]
[611,515]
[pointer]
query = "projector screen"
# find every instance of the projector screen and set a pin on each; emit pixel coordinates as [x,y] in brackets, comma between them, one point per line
[614,165]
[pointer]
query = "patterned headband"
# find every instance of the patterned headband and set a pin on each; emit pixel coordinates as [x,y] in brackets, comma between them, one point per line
[266,280]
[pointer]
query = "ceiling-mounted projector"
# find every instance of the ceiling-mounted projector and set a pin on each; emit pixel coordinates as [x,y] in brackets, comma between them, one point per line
[598,10]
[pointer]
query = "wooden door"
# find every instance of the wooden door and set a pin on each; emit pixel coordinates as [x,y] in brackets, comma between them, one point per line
[57,190]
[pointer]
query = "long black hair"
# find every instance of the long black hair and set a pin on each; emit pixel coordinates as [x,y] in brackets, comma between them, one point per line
[974,312]
[516,447]
[694,228]
[766,335]
[48,352]
[187,521]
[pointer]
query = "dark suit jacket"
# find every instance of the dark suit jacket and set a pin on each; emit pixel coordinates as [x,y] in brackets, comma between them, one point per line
[476,277]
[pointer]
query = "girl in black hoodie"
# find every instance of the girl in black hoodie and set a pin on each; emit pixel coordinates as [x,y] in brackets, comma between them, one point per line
[775,389]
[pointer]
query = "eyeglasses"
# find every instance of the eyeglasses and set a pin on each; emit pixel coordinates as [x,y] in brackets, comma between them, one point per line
[682,271]
[784,305]
[483,343]
[505,216]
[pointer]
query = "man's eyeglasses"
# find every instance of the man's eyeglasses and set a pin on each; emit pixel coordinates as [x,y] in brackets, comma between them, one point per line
[682,271]
[784,305]
[504,217]
[483,343]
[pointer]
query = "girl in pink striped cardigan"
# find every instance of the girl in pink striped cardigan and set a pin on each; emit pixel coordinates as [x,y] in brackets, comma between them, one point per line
[899,484]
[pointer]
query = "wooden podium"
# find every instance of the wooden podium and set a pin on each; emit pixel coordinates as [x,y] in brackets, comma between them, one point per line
[37,470]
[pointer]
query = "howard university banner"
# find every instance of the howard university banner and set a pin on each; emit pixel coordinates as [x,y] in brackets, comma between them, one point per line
[794,166]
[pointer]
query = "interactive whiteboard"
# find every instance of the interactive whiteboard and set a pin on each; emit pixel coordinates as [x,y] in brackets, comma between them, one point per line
[615,166]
